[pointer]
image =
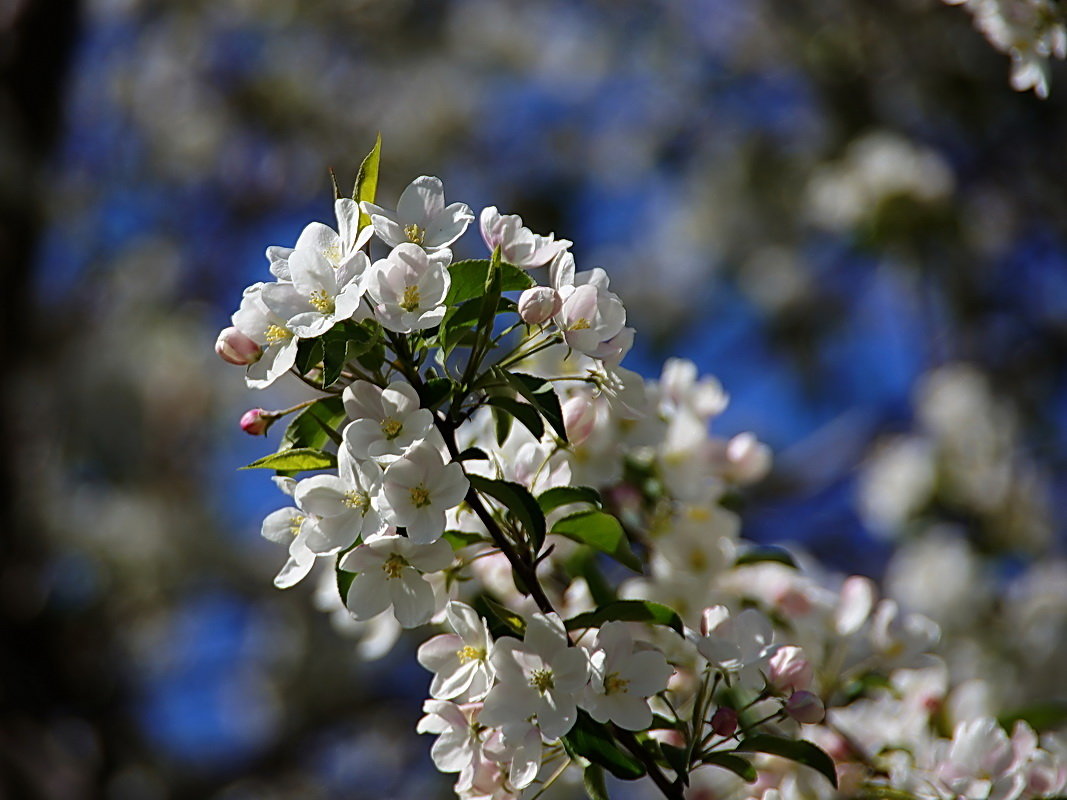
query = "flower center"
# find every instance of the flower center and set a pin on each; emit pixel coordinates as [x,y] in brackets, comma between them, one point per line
[323,302]
[468,653]
[415,234]
[354,499]
[295,522]
[276,334]
[541,680]
[411,299]
[581,324]
[420,496]
[394,565]
[333,255]
[391,428]
[613,683]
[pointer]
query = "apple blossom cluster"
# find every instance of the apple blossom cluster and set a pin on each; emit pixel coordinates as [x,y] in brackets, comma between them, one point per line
[475,457]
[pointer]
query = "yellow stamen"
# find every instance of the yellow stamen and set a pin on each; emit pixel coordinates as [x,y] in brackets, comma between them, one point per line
[580,325]
[415,234]
[391,428]
[394,565]
[420,496]
[613,683]
[323,302]
[541,680]
[276,334]
[295,523]
[468,653]
[411,299]
[354,499]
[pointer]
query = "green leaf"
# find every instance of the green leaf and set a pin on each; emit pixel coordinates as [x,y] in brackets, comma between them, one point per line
[435,391]
[798,750]
[523,412]
[308,355]
[344,581]
[601,532]
[473,454]
[678,759]
[737,765]
[366,187]
[759,555]
[501,425]
[461,539]
[516,499]
[592,741]
[1040,717]
[593,781]
[468,280]
[565,495]
[629,611]
[309,427]
[297,459]
[507,622]
[583,564]
[540,394]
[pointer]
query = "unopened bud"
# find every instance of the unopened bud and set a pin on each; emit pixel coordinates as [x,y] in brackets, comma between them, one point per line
[805,707]
[724,721]
[236,348]
[539,304]
[789,670]
[256,421]
[579,417]
[748,459]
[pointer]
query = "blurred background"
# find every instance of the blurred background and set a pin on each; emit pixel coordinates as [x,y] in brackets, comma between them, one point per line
[842,210]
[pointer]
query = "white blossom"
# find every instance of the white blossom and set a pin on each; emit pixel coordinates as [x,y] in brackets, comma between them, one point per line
[421,217]
[460,660]
[342,503]
[622,678]
[518,245]
[418,489]
[408,288]
[386,422]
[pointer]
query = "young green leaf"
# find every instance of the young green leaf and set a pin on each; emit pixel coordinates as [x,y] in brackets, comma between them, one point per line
[309,427]
[565,495]
[297,459]
[601,532]
[737,765]
[516,499]
[523,412]
[592,741]
[468,280]
[629,611]
[501,619]
[366,187]
[435,391]
[308,355]
[677,758]
[798,750]
[593,781]
[540,394]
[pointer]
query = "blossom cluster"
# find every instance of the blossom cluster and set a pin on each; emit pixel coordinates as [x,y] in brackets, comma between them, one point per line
[482,461]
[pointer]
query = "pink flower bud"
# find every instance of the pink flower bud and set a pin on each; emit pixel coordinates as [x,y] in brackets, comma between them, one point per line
[579,417]
[789,670]
[539,304]
[748,459]
[255,421]
[724,721]
[236,348]
[805,707]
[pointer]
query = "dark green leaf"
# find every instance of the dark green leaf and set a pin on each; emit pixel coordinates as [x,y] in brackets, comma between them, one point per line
[737,765]
[591,740]
[798,750]
[344,582]
[1040,717]
[473,454]
[600,531]
[309,427]
[468,280]
[758,555]
[516,499]
[366,187]
[308,355]
[435,391]
[501,425]
[677,758]
[564,495]
[461,539]
[583,564]
[540,394]
[629,611]
[523,412]
[593,781]
[298,459]
[501,619]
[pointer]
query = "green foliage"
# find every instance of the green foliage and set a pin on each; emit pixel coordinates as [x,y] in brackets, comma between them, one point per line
[538,393]
[592,741]
[297,459]
[565,495]
[518,500]
[1040,717]
[523,412]
[593,782]
[798,750]
[629,611]
[601,532]
[502,620]
[737,765]
[366,187]
[469,279]
[759,555]
[312,427]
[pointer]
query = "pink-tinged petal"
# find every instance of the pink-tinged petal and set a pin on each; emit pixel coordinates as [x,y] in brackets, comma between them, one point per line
[368,595]
[526,762]
[421,201]
[412,598]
